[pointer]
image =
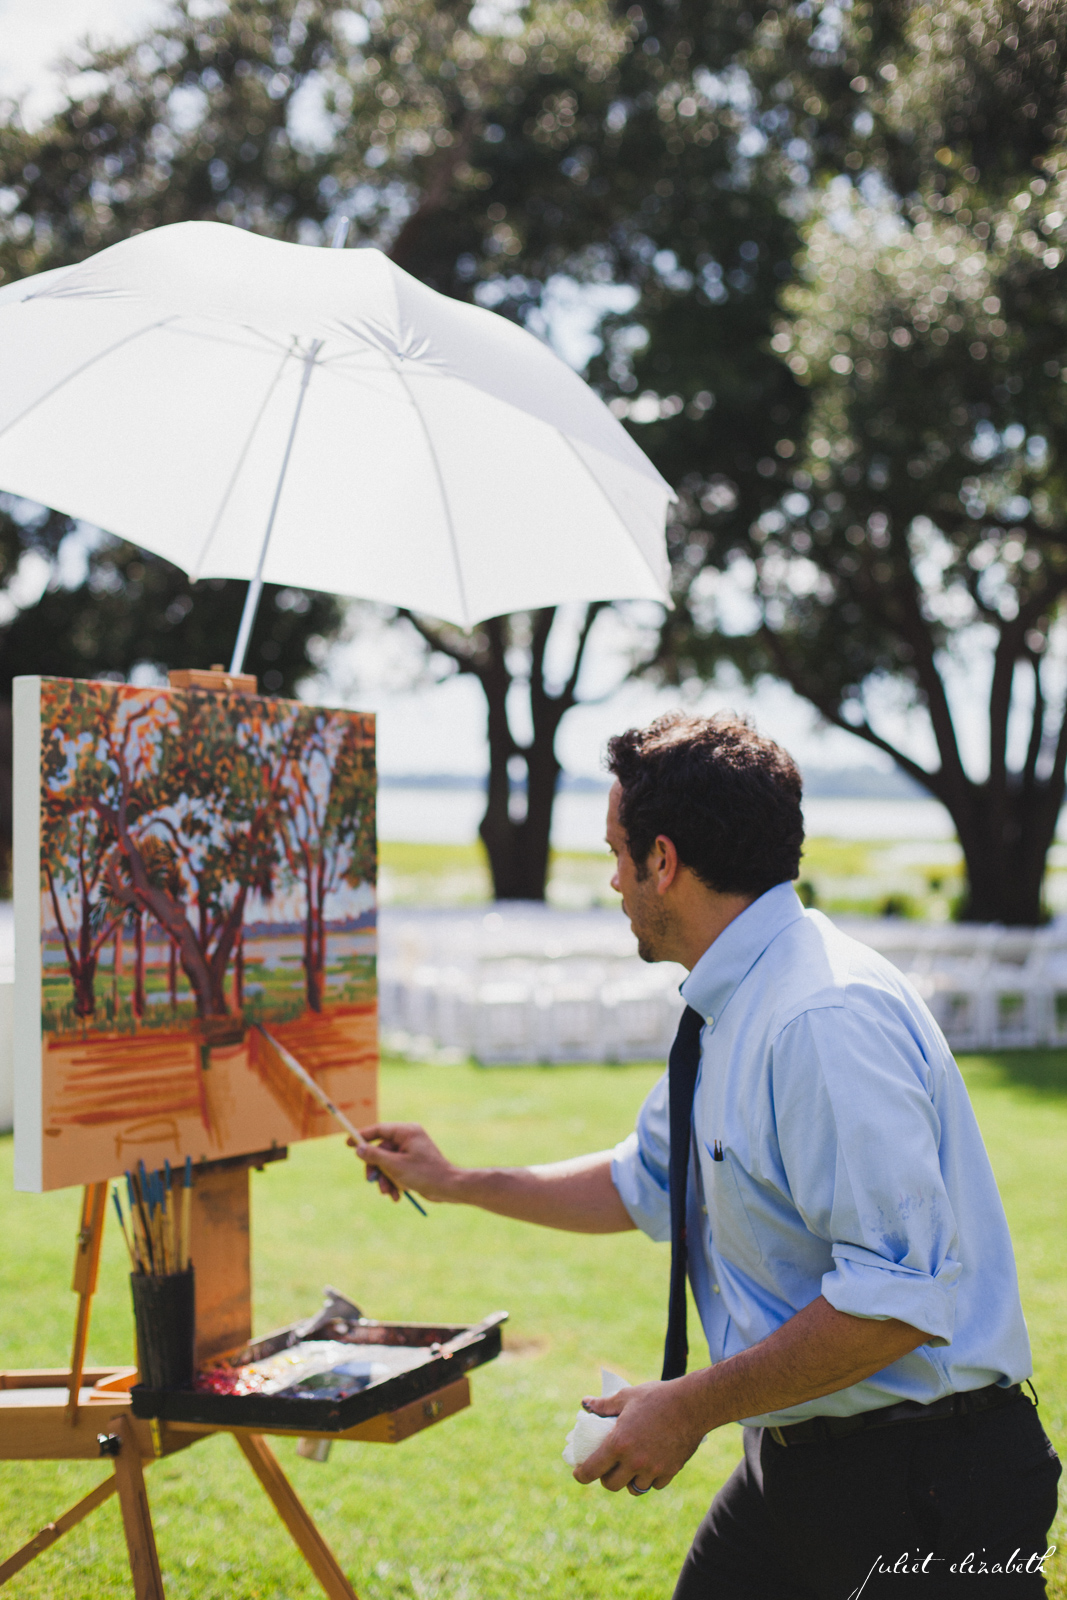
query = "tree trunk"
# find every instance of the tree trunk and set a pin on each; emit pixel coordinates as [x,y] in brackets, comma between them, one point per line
[140,895]
[319,946]
[517,845]
[85,973]
[1005,840]
[232,930]
[138,967]
[172,975]
[312,976]
[312,912]
[519,848]
[84,984]
[1005,824]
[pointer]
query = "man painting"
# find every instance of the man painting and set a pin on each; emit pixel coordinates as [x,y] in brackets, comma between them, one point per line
[832,1203]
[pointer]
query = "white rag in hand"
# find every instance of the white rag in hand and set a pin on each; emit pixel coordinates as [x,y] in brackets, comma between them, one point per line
[589,1430]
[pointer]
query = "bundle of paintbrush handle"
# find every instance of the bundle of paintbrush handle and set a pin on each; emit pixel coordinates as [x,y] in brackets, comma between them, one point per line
[159,1217]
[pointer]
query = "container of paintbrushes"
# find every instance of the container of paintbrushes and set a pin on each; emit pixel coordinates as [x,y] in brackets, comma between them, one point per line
[162,1281]
[164,1312]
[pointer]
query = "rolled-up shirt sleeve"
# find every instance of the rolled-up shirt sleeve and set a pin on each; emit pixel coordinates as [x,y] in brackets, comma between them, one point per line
[858,1135]
[640,1166]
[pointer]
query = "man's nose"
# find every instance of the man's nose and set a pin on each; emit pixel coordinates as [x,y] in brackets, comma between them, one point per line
[615,884]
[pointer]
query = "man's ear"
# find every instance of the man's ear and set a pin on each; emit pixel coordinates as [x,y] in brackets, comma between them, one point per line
[664,863]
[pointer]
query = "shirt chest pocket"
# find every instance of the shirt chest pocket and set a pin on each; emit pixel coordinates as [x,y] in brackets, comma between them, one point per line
[732,1230]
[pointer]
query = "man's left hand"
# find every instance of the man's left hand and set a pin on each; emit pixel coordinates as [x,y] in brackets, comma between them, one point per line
[819,1351]
[653,1439]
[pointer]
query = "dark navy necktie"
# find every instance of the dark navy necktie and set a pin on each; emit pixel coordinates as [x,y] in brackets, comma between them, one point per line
[682,1069]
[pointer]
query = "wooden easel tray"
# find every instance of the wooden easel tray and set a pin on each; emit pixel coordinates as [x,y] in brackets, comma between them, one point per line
[460,1347]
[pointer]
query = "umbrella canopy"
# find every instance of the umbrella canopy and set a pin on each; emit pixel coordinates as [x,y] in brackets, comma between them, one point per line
[198,387]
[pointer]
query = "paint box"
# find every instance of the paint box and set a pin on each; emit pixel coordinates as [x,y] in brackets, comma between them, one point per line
[444,1352]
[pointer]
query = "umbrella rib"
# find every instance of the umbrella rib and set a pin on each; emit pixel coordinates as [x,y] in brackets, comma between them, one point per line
[238,469]
[101,355]
[446,508]
[262,343]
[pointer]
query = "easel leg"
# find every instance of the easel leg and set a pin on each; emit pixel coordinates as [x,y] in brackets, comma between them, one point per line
[316,1552]
[86,1266]
[136,1517]
[55,1530]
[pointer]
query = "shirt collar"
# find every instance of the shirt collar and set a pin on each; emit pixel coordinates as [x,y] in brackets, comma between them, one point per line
[725,964]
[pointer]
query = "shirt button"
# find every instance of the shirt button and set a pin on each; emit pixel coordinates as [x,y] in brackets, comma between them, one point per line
[711,1022]
[717,1290]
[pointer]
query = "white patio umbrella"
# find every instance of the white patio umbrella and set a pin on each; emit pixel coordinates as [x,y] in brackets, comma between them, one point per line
[319,418]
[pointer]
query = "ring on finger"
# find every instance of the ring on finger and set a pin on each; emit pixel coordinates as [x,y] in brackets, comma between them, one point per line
[632,1486]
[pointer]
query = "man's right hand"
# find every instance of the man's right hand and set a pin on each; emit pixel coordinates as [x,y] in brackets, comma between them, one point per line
[406,1158]
[577,1195]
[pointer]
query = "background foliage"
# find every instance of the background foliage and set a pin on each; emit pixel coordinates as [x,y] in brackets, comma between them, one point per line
[824,249]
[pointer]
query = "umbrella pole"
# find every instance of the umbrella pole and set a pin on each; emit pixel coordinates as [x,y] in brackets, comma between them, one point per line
[255,587]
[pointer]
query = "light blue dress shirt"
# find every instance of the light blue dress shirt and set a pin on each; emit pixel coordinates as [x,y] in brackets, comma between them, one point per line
[851,1163]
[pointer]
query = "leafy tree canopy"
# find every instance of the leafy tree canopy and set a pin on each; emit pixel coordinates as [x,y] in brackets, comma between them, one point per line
[841,230]
[904,525]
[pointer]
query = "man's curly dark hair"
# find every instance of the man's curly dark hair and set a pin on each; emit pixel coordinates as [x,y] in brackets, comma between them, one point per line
[728,799]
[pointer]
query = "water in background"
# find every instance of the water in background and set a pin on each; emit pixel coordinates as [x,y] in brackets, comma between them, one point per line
[427,815]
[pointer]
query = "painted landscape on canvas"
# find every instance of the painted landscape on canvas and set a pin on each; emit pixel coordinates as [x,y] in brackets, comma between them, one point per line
[207,871]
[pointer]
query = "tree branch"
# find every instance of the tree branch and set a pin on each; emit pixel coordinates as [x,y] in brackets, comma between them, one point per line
[438,641]
[543,620]
[72,960]
[1037,725]
[592,612]
[917,633]
[832,714]
[1059,763]
[1000,693]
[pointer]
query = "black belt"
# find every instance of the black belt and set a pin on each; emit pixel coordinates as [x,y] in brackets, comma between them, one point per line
[817,1430]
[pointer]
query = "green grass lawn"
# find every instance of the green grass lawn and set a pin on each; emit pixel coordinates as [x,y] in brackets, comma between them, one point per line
[480,1507]
[854,876]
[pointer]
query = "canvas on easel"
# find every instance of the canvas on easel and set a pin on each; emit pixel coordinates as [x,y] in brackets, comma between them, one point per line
[194,888]
[191,866]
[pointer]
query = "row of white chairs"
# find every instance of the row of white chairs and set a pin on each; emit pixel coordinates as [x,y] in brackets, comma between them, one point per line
[996,1007]
[989,987]
[626,1021]
[532,984]
[523,1019]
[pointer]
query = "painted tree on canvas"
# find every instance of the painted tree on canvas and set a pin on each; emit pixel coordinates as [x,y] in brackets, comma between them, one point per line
[327,828]
[214,817]
[156,807]
[86,916]
[176,811]
[78,841]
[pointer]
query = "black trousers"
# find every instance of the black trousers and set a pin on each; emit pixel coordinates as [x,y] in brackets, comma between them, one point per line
[830,1521]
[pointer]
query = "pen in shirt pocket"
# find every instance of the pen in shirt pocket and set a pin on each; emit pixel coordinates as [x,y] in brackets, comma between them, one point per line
[716,1151]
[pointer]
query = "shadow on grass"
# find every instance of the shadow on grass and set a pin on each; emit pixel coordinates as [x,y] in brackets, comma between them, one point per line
[1042,1072]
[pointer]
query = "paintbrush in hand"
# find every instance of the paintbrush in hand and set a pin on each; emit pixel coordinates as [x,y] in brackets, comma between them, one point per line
[324,1100]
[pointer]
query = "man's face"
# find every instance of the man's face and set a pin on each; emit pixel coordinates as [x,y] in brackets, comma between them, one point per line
[645,907]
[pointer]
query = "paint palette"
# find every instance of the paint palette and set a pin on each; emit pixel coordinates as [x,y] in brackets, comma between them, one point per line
[404,1361]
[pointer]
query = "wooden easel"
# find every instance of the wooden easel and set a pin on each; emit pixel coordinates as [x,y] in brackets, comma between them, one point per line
[85,1413]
